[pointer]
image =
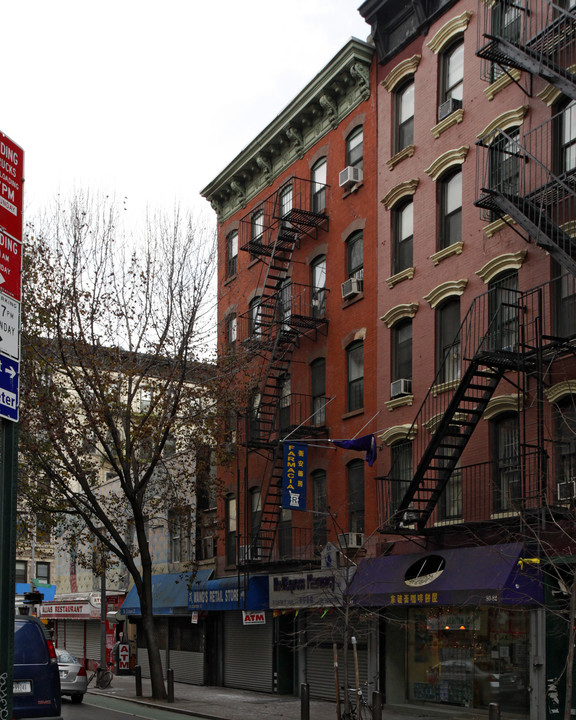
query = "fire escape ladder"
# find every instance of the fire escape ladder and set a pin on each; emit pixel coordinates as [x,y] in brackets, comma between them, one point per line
[540,40]
[447,443]
[263,540]
[515,183]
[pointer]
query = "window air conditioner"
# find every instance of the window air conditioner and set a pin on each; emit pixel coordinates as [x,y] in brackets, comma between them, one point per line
[566,490]
[403,386]
[351,287]
[351,540]
[448,107]
[349,177]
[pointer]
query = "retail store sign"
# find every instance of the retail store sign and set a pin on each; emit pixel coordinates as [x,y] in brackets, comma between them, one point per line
[253,618]
[294,476]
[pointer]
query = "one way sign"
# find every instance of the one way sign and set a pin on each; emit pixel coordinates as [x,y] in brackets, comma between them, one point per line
[9,381]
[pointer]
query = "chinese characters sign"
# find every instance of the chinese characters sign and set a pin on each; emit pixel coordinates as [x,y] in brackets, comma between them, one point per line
[294,477]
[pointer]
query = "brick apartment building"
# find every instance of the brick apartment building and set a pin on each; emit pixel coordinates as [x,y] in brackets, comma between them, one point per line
[396,259]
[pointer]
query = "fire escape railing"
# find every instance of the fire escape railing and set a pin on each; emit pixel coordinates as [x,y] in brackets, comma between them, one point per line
[538,37]
[501,333]
[284,313]
[530,182]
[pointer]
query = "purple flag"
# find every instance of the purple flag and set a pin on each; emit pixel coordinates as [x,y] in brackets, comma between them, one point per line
[366,442]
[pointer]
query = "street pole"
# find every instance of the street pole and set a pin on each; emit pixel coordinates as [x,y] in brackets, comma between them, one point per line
[103,609]
[8,488]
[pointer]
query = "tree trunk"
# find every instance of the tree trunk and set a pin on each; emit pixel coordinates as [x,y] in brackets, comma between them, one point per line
[156,675]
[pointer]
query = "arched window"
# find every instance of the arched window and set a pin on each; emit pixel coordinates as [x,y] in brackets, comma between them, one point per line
[354,147]
[503,309]
[232,253]
[231,330]
[355,361]
[452,79]
[318,273]
[356,496]
[255,318]
[506,488]
[355,255]
[402,350]
[404,113]
[318,383]
[450,207]
[256,231]
[448,340]
[403,236]
[319,186]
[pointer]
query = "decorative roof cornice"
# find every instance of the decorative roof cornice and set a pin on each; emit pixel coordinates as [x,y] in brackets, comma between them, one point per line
[331,96]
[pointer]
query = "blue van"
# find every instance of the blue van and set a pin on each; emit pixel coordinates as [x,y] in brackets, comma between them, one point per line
[36,688]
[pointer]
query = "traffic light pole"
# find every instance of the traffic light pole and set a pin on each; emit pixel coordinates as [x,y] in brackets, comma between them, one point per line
[8,488]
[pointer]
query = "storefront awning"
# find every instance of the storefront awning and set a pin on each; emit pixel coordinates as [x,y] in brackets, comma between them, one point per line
[230,594]
[467,576]
[169,593]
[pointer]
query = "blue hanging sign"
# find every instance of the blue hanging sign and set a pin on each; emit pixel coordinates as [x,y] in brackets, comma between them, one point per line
[294,477]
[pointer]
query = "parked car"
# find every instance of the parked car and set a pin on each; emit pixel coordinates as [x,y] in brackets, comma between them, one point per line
[36,688]
[488,686]
[73,678]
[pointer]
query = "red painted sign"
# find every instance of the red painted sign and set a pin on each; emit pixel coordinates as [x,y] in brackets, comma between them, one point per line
[10,266]
[124,656]
[11,190]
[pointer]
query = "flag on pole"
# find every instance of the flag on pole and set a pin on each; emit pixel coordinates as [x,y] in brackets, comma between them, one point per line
[366,443]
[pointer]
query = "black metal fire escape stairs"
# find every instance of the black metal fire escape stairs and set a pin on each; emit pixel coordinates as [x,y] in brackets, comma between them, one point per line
[286,313]
[488,346]
[538,37]
[516,183]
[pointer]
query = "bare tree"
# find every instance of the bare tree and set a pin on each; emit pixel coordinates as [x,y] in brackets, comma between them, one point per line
[117,347]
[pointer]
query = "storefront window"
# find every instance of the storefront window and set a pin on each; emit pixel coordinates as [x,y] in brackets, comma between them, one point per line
[469,657]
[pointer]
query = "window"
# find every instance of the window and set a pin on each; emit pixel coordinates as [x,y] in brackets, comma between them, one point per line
[402,350]
[506,459]
[504,163]
[43,528]
[232,330]
[256,231]
[400,473]
[232,253]
[43,572]
[453,73]
[354,147]
[21,571]
[319,186]
[450,205]
[255,520]
[448,340]
[320,508]
[356,496]
[354,256]
[285,533]
[255,318]
[503,307]
[231,529]
[286,206]
[451,498]
[565,447]
[565,304]
[506,24]
[404,101]
[145,399]
[318,382]
[285,304]
[284,406]
[318,269]
[255,417]
[403,232]
[179,535]
[355,358]
[566,121]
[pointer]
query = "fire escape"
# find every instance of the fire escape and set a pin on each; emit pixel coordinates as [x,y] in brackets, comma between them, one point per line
[271,330]
[529,181]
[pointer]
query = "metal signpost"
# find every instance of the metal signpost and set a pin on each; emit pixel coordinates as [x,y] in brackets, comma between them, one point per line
[11,204]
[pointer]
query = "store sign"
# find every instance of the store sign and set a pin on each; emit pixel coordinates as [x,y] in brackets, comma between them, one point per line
[253,618]
[73,611]
[294,476]
[313,589]
[123,656]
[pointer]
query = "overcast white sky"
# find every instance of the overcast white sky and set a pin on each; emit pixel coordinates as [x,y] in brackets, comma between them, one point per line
[151,100]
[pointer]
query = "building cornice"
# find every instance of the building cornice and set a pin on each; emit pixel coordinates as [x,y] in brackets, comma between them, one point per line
[331,96]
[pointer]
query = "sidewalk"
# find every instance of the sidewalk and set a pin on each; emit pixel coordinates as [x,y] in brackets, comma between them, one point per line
[218,703]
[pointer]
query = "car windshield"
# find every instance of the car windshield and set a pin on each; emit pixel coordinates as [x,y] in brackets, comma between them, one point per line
[65,657]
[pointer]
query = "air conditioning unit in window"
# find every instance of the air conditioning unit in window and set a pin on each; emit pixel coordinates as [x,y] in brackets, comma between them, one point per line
[566,490]
[403,386]
[351,540]
[448,107]
[349,177]
[351,287]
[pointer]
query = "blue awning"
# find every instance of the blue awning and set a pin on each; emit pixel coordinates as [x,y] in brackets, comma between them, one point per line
[471,576]
[169,593]
[230,594]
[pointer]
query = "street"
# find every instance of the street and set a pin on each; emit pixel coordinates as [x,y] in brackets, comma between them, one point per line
[91,709]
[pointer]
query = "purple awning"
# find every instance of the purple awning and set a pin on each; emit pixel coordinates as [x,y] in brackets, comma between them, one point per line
[487,575]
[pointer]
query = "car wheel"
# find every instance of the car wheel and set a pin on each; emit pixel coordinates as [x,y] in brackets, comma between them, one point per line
[77,698]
